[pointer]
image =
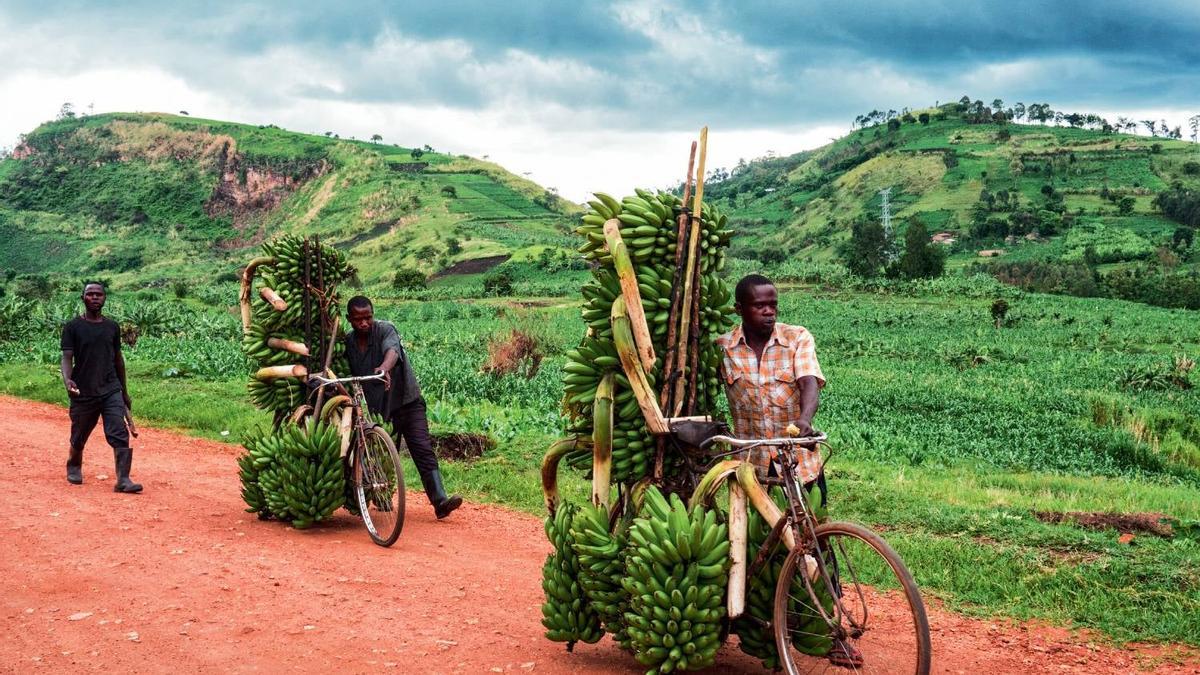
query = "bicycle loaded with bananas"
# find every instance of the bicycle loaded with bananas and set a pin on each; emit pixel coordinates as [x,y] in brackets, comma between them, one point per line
[322,451]
[659,557]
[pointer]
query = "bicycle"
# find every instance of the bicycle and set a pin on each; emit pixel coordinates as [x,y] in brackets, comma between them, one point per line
[876,615]
[374,465]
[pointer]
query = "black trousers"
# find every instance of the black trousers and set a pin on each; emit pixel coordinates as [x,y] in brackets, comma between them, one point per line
[85,411]
[411,423]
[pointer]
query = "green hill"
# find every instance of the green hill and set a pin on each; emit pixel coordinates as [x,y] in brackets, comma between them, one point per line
[994,186]
[142,198]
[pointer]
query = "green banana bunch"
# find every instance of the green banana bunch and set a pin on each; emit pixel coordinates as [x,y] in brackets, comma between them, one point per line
[601,567]
[567,614]
[675,574]
[755,635]
[295,475]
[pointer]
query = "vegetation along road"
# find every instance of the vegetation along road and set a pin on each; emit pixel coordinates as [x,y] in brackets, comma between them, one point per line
[181,576]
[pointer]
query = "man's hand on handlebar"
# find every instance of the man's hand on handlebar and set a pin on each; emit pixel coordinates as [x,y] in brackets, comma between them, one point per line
[387,377]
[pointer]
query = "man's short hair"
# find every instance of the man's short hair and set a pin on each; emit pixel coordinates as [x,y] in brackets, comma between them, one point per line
[745,288]
[359,301]
[94,283]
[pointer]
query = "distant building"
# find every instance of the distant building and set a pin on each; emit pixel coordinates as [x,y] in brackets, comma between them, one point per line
[946,238]
[991,253]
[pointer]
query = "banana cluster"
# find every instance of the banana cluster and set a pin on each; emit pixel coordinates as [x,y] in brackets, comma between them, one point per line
[602,566]
[567,614]
[676,573]
[281,314]
[756,637]
[295,474]
[649,228]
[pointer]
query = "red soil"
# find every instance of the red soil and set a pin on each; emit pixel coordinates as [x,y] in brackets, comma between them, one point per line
[180,579]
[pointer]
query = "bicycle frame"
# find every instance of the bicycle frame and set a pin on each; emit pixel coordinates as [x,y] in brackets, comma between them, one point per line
[358,403]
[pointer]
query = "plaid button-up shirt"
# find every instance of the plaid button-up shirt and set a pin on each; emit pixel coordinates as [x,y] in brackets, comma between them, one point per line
[764,394]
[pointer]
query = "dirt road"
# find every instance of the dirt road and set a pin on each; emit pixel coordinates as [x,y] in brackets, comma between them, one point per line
[180,579]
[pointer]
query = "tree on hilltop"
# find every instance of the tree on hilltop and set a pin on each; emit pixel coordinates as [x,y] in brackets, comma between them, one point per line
[375,138]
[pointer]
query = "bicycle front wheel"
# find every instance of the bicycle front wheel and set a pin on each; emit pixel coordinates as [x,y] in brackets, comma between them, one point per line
[878,622]
[379,486]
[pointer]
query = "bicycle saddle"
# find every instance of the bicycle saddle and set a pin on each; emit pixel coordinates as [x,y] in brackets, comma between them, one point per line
[694,432]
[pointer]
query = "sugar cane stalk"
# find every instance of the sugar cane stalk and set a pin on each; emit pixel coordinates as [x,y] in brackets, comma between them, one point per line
[602,433]
[247,286]
[626,275]
[689,290]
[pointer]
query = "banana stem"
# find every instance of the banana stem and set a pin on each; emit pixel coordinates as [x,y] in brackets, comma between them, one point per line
[602,433]
[762,501]
[689,293]
[332,404]
[299,413]
[272,298]
[275,372]
[623,264]
[738,523]
[711,482]
[623,338]
[247,285]
[344,428]
[288,346]
[554,455]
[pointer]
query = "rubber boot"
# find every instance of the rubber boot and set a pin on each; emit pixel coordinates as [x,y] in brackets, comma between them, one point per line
[442,504]
[124,458]
[75,466]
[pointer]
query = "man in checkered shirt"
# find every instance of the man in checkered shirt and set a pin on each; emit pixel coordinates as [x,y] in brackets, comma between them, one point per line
[772,377]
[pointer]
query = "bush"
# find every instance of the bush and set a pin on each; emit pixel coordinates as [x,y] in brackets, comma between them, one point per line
[499,282]
[34,287]
[408,279]
[180,288]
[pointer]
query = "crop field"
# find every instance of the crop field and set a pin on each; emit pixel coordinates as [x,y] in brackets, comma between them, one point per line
[950,434]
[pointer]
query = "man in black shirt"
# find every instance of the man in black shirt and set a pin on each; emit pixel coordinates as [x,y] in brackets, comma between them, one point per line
[374,347]
[93,371]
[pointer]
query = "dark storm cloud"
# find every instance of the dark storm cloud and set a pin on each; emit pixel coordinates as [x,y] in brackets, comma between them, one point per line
[656,64]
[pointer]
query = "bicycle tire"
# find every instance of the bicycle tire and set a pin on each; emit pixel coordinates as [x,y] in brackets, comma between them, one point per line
[883,646]
[379,486]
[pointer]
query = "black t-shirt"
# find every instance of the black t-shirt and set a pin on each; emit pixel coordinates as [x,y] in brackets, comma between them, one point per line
[95,347]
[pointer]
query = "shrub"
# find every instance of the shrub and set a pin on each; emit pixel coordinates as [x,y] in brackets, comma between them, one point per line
[498,282]
[408,279]
[180,288]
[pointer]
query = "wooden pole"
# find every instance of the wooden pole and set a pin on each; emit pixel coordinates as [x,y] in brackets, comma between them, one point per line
[688,291]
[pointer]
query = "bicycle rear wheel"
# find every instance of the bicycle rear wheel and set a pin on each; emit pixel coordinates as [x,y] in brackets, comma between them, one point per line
[883,625]
[379,485]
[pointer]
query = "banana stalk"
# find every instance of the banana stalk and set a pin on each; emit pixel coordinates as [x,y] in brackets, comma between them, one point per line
[623,265]
[711,482]
[602,432]
[299,413]
[762,501]
[288,345]
[275,372]
[738,521]
[332,404]
[273,298]
[627,351]
[247,284]
[344,428]
[550,471]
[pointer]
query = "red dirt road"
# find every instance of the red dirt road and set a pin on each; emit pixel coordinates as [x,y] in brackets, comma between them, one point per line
[181,579]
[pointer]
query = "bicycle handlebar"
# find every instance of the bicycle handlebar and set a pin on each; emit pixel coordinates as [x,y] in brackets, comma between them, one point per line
[819,437]
[326,381]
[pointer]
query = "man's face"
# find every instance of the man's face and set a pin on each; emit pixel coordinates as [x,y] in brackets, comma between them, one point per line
[758,312]
[361,319]
[93,297]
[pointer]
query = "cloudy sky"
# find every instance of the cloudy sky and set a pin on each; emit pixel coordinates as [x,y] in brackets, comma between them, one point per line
[588,95]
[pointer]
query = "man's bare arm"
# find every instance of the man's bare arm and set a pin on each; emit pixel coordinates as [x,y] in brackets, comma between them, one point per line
[68,368]
[390,357]
[810,394]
